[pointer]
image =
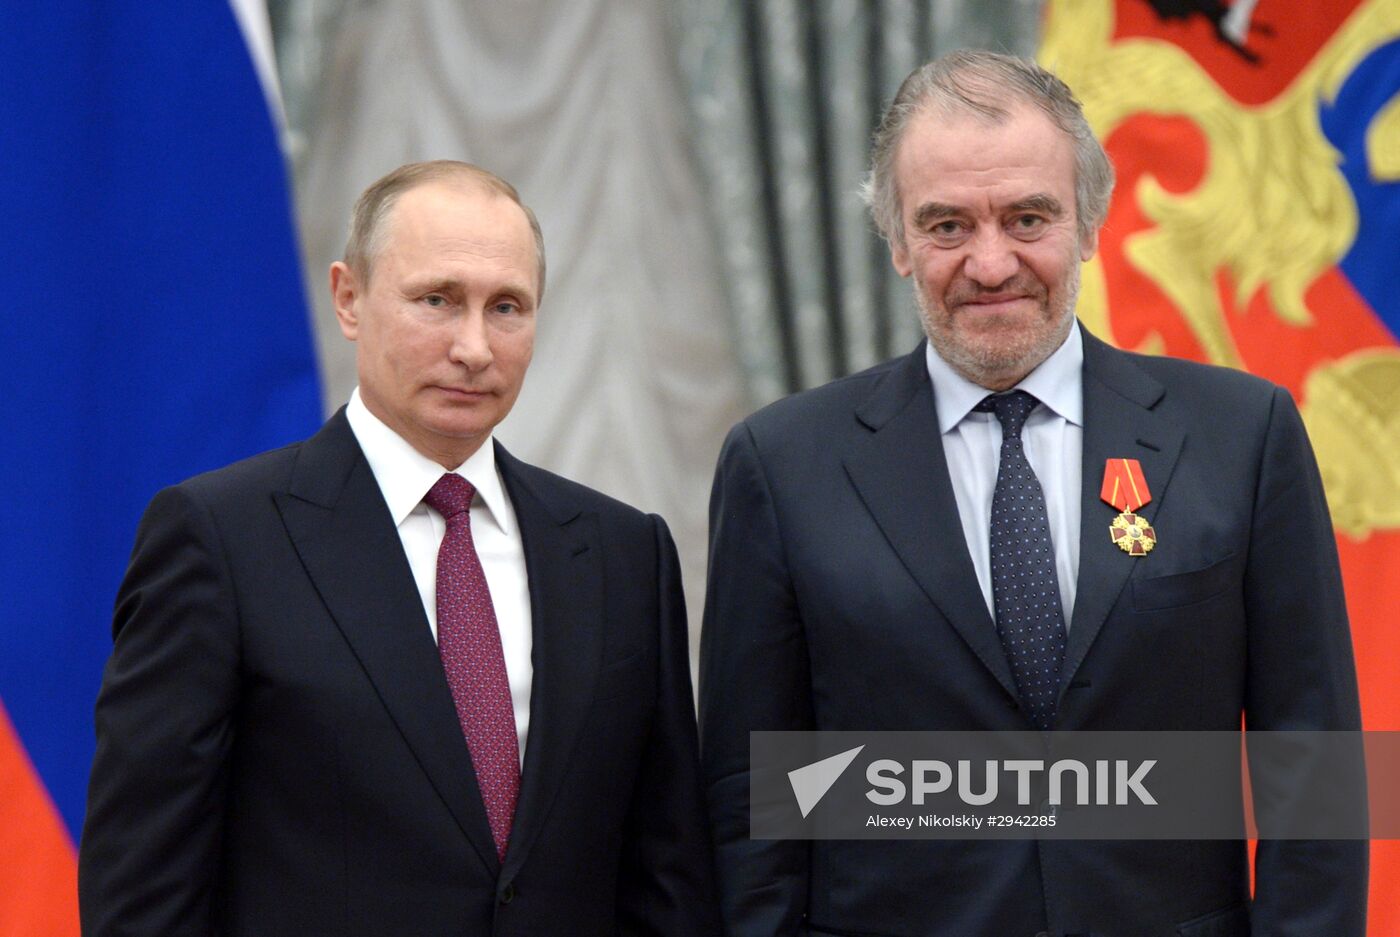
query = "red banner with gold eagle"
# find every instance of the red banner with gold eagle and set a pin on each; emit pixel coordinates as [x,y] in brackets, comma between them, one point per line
[1256,224]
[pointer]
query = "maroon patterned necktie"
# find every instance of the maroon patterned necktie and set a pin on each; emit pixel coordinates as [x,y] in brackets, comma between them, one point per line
[469,643]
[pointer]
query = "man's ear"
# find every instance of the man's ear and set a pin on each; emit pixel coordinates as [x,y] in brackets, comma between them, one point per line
[899,257]
[345,293]
[1088,247]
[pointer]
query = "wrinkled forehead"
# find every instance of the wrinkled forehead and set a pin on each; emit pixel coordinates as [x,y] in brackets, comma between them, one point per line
[942,144]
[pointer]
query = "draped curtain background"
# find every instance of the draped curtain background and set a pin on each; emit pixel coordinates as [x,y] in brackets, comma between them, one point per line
[785,95]
[695,166]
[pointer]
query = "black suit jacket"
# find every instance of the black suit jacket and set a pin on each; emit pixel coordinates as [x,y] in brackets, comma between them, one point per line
[842,597]
[278,751]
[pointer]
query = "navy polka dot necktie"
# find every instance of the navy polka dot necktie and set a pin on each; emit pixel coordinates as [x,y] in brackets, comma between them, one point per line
[1025,591]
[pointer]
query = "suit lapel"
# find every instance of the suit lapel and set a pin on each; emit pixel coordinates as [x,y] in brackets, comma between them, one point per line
[341,528]
[1118,423]
[563,557]
[902,477]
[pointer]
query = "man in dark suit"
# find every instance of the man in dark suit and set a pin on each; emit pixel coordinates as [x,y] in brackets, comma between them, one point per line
[392,680]
[870,539]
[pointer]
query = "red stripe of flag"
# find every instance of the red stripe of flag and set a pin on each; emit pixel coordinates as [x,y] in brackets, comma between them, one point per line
[39,874]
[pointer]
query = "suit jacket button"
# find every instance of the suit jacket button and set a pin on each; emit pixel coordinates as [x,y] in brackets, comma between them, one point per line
[508,893]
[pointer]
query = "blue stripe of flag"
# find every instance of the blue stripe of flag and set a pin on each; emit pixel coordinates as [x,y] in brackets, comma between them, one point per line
[152,320]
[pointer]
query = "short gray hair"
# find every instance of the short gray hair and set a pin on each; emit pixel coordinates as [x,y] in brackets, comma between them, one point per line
[984,84]
[372,208]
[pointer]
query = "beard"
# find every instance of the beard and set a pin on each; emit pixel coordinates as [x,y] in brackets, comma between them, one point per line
[999,356]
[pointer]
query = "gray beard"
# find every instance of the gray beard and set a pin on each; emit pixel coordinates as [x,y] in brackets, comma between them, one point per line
[999,368]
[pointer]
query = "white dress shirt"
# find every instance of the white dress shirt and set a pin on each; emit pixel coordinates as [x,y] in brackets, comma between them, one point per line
[404,476]
[1053,439]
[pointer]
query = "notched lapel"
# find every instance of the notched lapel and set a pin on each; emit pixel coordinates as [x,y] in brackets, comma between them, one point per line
[342,530]
[901,475]
[1118,423]
[563,557]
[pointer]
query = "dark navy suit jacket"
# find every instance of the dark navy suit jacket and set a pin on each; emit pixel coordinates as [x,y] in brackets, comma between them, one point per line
[279,754]
[842,597]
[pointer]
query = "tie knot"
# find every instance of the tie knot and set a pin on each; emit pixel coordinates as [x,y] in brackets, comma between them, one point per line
[450,495]
[1011,410]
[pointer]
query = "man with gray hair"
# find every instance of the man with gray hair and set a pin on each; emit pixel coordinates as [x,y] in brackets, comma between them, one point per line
[931,545]
[391,680]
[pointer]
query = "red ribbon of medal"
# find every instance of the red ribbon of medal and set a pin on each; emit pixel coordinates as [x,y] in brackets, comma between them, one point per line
[1125,488]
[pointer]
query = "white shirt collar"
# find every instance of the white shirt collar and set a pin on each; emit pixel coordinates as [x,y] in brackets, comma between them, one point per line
[404,474]
[1056,382]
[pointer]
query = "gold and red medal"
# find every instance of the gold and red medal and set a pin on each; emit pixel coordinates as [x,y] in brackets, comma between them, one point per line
[1125,488]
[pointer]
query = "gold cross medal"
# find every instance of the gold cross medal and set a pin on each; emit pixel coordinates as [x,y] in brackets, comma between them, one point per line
[1125,488]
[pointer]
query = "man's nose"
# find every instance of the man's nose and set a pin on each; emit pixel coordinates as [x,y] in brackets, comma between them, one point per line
[471,342]
[991,259]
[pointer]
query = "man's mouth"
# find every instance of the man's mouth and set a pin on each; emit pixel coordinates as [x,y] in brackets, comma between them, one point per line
[991,302]
[465,393]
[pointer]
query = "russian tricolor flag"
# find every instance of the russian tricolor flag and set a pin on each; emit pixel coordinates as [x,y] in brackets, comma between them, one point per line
[152,325]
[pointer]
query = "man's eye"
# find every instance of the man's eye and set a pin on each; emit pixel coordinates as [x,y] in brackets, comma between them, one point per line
[946,228]
[505,308]
[435,300]
[1027,222]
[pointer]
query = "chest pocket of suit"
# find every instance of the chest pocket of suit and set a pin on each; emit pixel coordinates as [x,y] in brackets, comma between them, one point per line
[623,676]
[1232,922]
[1181,589]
